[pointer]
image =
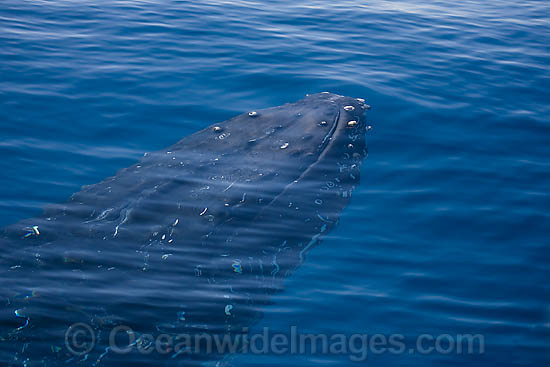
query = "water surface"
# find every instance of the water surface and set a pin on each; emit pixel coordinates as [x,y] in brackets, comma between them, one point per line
[448,231]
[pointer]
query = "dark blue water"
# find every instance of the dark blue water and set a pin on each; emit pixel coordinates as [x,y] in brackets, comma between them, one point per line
[448,231]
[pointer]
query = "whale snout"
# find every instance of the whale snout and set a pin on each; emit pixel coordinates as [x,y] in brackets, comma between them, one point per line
[346,136]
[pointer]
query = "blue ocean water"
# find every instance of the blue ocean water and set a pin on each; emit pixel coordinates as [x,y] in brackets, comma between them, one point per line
[448,231]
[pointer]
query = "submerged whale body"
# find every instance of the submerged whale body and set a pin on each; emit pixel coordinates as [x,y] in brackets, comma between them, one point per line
[192,239]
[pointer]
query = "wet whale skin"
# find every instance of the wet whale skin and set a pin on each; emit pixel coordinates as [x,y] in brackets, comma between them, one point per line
[192,239]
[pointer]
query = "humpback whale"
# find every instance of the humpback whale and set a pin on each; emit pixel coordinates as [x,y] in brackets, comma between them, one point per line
[193,239]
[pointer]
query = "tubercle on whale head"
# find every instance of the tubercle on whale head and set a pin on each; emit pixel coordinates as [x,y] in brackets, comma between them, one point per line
[350,108]
[298,131]
[304,127]
[348,135]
